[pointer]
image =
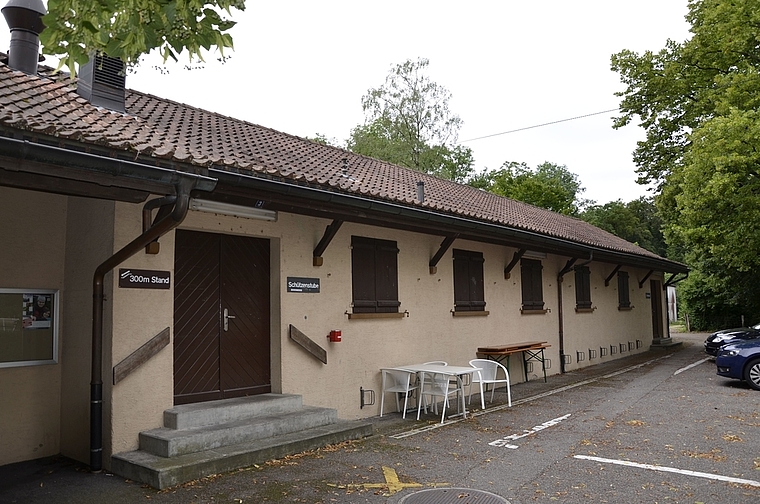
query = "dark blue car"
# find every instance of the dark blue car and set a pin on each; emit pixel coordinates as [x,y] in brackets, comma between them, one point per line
[740,361]
[725,336]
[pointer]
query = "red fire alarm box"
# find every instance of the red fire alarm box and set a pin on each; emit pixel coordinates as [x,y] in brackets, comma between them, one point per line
[335,336]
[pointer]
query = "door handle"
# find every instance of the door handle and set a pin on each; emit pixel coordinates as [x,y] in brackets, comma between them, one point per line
[227,318]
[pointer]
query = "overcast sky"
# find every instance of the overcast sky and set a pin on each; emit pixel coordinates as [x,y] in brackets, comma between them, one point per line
[302,67]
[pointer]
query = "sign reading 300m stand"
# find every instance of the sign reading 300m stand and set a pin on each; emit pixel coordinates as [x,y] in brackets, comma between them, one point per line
[144,279]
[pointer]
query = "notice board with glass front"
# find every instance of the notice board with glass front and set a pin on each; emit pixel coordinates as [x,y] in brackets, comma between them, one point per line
[28,327]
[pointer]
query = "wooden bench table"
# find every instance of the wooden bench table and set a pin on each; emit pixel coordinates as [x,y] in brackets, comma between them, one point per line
[530,350]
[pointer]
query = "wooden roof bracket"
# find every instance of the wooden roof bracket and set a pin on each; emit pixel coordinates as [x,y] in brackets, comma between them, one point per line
[590,259]
[515,259]
[614,272]
[646,277]
[674,279]
[568,267]
[445,244]
[330,232]
[571,265]
[164,206]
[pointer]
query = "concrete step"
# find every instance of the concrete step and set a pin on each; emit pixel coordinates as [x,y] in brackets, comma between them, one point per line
[188,416]
[161,472]
[165,442]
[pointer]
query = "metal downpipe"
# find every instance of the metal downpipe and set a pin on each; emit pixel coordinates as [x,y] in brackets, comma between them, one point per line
[561,326]
[96,383]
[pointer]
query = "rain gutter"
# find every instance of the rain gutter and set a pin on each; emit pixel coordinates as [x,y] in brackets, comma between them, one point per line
[49,159]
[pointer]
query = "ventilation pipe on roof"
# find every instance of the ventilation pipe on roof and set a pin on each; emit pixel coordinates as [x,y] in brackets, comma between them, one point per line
[24,18]
[421,191]
[102,81]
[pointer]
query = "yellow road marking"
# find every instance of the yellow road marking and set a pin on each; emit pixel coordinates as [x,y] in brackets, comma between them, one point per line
[392,483]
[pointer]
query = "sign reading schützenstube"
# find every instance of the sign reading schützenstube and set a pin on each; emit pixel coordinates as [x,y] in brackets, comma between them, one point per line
[298,284]
[144,279]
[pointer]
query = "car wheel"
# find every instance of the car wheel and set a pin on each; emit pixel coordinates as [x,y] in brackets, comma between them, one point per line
[752,374]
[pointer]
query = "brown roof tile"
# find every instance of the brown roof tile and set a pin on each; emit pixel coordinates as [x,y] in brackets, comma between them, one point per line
[186,134]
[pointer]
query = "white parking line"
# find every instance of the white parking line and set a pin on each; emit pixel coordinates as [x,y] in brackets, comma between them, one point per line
[505,441]
[691,366]
[670,470]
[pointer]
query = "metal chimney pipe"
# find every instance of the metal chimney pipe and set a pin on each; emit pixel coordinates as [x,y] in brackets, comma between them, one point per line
[24,18]
[421,191]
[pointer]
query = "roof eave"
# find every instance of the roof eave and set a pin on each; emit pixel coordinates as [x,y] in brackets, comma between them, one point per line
[98,175]
[441,223]
[67,171]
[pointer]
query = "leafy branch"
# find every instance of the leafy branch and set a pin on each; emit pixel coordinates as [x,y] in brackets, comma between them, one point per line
[128,29]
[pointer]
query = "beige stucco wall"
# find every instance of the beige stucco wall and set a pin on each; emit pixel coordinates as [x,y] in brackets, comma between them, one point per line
[89,240]
[429,332]
[31,256]
[137,403]
[74,235]
[607,326]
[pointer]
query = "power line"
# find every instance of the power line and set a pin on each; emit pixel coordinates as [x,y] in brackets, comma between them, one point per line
[540,125]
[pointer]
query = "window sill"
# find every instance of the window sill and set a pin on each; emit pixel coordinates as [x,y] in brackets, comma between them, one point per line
[625,308]
[481,313]
[352,316]
[534,311]
[585,310]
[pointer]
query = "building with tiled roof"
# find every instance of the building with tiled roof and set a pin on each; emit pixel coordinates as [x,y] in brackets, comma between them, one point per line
[186,257]
[155,130]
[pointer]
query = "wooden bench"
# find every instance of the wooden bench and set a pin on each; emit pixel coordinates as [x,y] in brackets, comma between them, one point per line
[530,350]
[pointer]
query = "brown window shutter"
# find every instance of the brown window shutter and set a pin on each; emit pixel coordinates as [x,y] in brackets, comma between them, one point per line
[582,287]
[532,284]
[386,276]
[363,275]
[624,300]
[374,273]
[468,281]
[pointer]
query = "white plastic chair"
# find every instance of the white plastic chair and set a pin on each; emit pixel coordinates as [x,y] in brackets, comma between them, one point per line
[397,381]
[437,385]
[489,375]
[427,379]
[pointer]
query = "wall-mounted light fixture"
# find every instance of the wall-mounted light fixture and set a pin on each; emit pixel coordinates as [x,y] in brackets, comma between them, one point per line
[530,254]
[220,207]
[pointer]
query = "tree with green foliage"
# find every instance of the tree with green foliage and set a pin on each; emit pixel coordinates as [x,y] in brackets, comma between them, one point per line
[322,139]
[377,140]
[408,122]
[636,221]
[549,185]
[698,102]
[128,29]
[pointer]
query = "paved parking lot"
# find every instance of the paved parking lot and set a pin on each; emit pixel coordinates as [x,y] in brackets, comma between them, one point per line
[656,427]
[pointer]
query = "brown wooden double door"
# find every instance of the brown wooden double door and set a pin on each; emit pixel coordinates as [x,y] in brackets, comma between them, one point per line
[221,316]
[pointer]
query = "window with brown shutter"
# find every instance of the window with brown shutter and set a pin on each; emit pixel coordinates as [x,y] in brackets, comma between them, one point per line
[624,300]
[582,287]
[532,284]
[468,281]
[374,273]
